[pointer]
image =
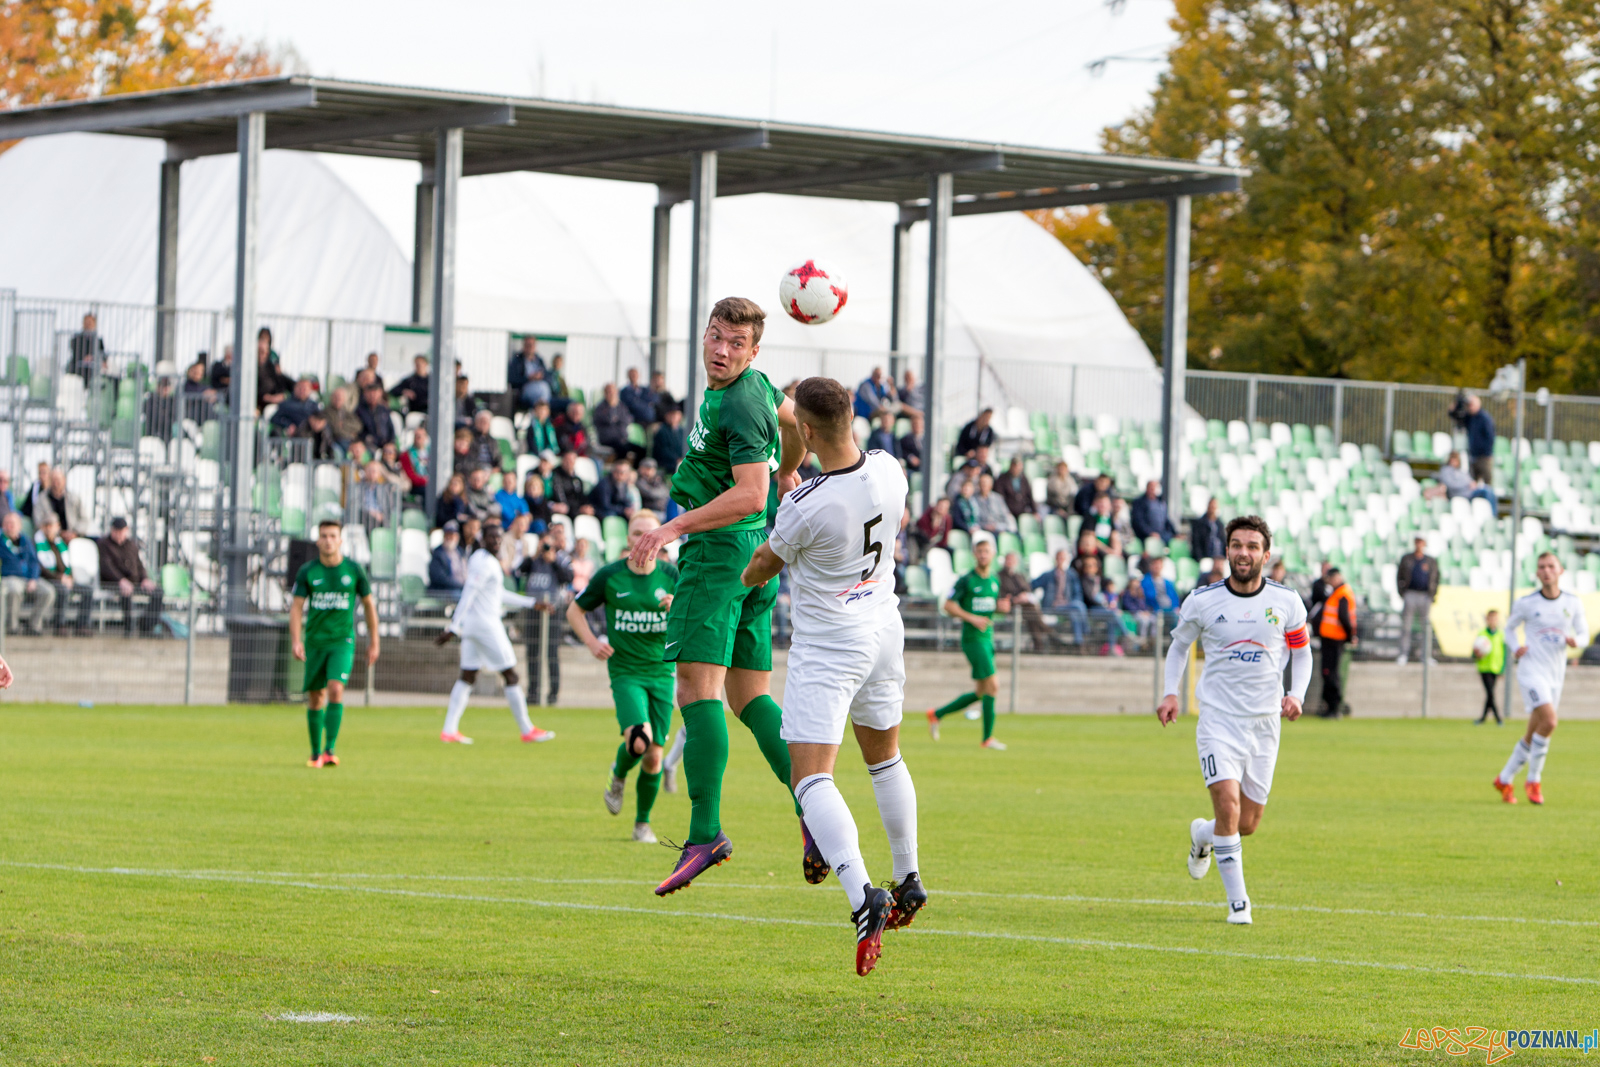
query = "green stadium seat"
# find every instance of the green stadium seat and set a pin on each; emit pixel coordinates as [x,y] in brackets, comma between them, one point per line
[636,434]
[1178,548]
[413,519]
[293,523]
[614,527]
[174,581]
[961,561]
[917,584]
[17,371]
[1009,542]
[1034,542]
[1054,526]
[383,565]
[412,589]
[958,541]
[1300,433]
[574,393]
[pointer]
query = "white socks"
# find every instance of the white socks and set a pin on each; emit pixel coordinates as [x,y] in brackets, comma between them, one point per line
[519,708]
[1536,754]
[459,693]
[1206,833]
[897,806]
[1519,756]
[1229,856]
[828,819]
[674,754]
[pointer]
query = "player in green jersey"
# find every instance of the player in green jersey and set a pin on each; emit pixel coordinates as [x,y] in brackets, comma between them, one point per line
[975,600]
[719,633]
[636,601]
[323,635]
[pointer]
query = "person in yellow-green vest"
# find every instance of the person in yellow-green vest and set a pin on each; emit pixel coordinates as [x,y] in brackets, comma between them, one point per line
[1491,643]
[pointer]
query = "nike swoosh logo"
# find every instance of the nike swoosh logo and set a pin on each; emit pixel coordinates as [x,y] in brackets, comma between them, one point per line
[621,595]
[669,644]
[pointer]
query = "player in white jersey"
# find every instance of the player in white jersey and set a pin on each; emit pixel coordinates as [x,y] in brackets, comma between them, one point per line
[1553,622]
[1246,625]
[484,643]
[836,533]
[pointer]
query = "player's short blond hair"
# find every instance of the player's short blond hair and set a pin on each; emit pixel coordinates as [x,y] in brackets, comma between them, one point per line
[645,515]
[1540,559]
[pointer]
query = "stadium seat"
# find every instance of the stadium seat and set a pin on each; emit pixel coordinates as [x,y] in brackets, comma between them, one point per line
[958,541]
[174,581]
[614,527]
[917,584]
[588,472]
[501,427]
[293,523]
[587,528]
[84,556]
[413,519]
[508,454]
[1009,542]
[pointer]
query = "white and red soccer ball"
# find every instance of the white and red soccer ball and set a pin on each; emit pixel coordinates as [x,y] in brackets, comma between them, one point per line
[811,294]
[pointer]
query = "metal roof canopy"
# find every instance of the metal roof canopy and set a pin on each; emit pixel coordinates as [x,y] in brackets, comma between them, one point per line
[689,157]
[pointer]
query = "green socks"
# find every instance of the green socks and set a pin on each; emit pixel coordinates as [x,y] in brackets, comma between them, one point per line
[764,718]
[330,727]
[705,757]
[625,761]
[958,704]
[649,786]
[314,726]
[988,717]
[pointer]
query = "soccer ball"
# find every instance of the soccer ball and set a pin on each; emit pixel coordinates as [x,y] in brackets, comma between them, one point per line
[1480,647]
[812,295]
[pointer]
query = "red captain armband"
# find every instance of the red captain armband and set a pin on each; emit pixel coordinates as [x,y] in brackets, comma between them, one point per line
[1297,638]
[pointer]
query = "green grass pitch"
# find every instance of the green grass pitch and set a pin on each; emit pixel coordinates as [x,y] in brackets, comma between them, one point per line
[175,883]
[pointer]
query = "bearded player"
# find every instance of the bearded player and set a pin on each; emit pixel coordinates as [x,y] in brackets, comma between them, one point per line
[1246,625]
[322,635]
[719,633]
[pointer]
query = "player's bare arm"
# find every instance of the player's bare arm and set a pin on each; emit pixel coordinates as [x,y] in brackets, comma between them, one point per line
[297,611]
[954,610]
[6,677]
[764,566]
[746,496]
[792,448]
[369,608]
[579,622]
[1167,710]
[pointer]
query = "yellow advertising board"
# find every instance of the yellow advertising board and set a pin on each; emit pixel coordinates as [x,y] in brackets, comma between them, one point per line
[1458,616]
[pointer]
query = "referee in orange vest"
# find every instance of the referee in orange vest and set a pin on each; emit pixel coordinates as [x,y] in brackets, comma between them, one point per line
[1337,629]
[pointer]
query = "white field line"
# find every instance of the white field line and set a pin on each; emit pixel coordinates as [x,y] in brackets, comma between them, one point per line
[1076,942]
[1045,898]
[316,1017]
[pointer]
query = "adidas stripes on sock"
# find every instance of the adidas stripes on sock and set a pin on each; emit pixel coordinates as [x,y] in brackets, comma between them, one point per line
[1519,756]
[705,758]
[1230,865]
[331,721]
[1537,751]
[960,703]
[897,807]
[459,693]
[834,830]
[519,708]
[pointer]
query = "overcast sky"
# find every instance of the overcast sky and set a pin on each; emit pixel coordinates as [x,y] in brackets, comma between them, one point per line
[1006,70]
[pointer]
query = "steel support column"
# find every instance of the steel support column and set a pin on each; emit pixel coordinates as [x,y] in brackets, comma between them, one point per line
[702,190]
[660,249]
[422,253]
[899,300]
[941,197]
[1516,522]
[167,265]
[442,385]
[1174,352]
[242,391]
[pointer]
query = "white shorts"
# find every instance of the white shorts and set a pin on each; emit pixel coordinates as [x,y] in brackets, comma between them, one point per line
[1241,747]
[863,680]
[484,647]
[1537,692]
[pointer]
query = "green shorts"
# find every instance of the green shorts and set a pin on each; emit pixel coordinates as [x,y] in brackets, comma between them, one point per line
[714,618]
[324,665]
[644,700]
[979,650]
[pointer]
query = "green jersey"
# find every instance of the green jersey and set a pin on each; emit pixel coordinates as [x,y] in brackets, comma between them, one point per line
[977,596]
[331,594]
[636,618]
[736,425]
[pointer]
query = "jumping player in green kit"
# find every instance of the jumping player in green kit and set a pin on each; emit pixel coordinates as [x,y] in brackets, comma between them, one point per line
[974,600]
[322,634]
[719,633]
[636,602]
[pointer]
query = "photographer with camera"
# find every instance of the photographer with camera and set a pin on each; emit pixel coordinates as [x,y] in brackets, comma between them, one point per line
[1467,412]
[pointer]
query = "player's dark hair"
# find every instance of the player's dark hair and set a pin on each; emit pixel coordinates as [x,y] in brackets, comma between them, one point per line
[329,522]
[737,311]
[825,404]
[1540,558]
[1248,522]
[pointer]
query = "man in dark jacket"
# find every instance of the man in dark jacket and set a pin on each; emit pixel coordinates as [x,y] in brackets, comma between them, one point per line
[1205,534]
[447,570]
[20,574]
[669,446]
[1149,515]
[547,579]
[377,429]
[611,421]
[665,401]
[413,390]
[1479,424]
[566,490]
[640,400]
[1015,489]
[121,569]
[527,376]
[882,438]
[1417,581]
[975,434]
[1061,594]
[1083,503]
[295,409]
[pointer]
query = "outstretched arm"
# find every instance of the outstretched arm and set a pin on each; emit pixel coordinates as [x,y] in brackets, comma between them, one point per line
[1177,659]
[764,565]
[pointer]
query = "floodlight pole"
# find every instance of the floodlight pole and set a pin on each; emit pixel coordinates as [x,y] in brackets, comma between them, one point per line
[941,199]
[1516,521]
[442,383]
[702,190]
[167,264]
[242,390]
[660,263]
[899,301]
[1174,353]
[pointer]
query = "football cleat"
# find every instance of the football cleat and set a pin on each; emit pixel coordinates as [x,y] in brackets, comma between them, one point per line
[642,832]
[870,920]
[973,714]
[535,735]
[330,760]
[669,778]
[909,898]
[1535,794]
[1199,855]
[995,743]
[1508,792]
[1239,912]
[694,861]
[455,739]
[933,724]
[613,795]
[812,863]
[314,761]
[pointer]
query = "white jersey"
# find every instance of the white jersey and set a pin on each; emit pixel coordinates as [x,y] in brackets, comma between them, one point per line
[1547,625]
[484,597]
[1246,640]
[837,534]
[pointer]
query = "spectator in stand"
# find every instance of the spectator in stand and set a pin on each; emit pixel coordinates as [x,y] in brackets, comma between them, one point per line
[1454,481]
[373,362]
[1160,593]
[1015,489]
[1099,601]
[62,505]
[272,385]
[909,447]
[616,495]
[572,429]
[513,549]
[8,503]
[548,580]
[37,491]
[447,570]
[1134,606]
[1417,580]
[911,395]
[542,438]
[670,444]
[1061,594]
[1218,573]
[1479,425]
[316,431]
[377,427]
[980,457]
[376,493]
[464,455]
[393,472]
[342,420]
[509,500]
[1083,503]
[199,399]
[964,512]
[933,528]
[485,446]
[611,421]
[451,505]
[1148,515]
[537,504]
[1015,586]
[87,351]
[882,438]
[665,401]
[1205,534]
[479,497]
[364,378]
[527,376]
[466,404]
[1059,490]
[653,489]
[412,391]
[640,400]
[874,395]
[20,575]
[122,569]
[582,565]
[1337,628]
[471,534]
[967,472]
[568,495]
[161,406]
[220,374]
[294,411]
[993,515]
[976,434]
[414,461]
[1101,522]
[55,567]
[1319,593]
[558,382]
[358,454]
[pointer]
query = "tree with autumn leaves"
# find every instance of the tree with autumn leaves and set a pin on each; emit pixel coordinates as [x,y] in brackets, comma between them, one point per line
[1422,204]
[72,49]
